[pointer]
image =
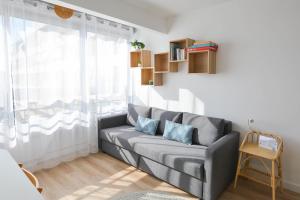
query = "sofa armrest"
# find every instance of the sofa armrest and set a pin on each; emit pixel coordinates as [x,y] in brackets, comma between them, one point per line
[112,121]
[220,165]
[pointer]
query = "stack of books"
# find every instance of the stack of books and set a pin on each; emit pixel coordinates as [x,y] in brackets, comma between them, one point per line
[177,53]
[203,45]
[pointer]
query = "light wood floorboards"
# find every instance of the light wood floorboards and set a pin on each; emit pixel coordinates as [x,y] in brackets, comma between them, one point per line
[100,176]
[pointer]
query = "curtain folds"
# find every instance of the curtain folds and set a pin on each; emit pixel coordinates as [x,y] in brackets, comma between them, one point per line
[56,77]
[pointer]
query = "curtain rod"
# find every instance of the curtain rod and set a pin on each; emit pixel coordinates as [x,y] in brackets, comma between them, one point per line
[77,13]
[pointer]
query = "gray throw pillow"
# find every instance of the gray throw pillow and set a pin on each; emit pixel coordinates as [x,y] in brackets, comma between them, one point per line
[163,115]
[206,129]
[134,111]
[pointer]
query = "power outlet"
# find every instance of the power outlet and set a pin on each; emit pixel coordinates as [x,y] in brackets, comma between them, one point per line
[250,122]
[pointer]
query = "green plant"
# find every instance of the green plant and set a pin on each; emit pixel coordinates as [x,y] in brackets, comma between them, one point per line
[137,45]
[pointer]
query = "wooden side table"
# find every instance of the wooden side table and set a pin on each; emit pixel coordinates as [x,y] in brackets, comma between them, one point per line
[250,149]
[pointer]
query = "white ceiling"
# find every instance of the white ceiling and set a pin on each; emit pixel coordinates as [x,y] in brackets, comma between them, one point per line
[170,8]
[152,14]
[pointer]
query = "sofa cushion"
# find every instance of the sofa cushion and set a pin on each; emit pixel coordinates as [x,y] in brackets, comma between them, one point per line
[136,110]
[206,129]
[121,135]
[188,159]
[164,115]
[146,125]
[179,132]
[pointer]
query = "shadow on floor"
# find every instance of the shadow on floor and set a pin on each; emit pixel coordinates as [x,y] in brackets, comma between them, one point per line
[98,176]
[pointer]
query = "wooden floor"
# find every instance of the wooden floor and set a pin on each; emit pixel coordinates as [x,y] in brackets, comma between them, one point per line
[100,176]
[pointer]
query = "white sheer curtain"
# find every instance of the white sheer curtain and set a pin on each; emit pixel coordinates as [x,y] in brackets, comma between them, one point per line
[106,60]
[56,77]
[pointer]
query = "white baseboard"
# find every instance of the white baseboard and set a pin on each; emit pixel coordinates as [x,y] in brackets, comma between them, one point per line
[291,186]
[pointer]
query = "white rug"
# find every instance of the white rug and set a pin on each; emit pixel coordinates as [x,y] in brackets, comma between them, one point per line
[148,195]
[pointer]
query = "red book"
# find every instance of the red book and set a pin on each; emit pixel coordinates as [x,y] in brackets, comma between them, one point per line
[202,48]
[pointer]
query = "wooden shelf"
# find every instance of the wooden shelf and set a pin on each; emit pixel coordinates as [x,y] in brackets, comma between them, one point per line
[140,58]
[255,149]
[162,63]
[135,58]
[202,62]
[182,44]
[158,79]
[161,72]
[260,177]
[198,62]
[177,61]
[146,75]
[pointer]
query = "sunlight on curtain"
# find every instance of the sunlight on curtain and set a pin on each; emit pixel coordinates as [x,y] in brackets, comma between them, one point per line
[7,133]
[57,77]
[105,61]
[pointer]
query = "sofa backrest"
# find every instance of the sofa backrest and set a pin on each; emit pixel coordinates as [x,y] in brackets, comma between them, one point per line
[206,129]
[163,115]
[134,111]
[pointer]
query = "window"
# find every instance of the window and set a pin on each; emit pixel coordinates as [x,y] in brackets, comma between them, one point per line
[56,76]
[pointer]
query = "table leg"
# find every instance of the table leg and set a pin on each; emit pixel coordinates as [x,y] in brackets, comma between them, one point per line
[280,173]
[273,180]
[247,161]
[238,170]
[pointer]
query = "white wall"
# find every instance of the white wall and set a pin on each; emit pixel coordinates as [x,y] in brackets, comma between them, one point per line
[258,68]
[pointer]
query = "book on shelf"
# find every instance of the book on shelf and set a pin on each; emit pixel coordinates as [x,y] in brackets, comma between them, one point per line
[204,45]
[173,51]
[203,42]
[202,49]
[176,52]
[180,54]
[200,41]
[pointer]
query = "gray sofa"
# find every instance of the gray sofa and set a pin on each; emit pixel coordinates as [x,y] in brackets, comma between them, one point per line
[203,169]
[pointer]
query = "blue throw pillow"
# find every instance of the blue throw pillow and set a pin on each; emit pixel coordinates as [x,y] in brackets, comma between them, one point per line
[178,132]
[146,125]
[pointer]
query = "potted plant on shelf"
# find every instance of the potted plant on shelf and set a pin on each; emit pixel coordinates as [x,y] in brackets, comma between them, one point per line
[137,45]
